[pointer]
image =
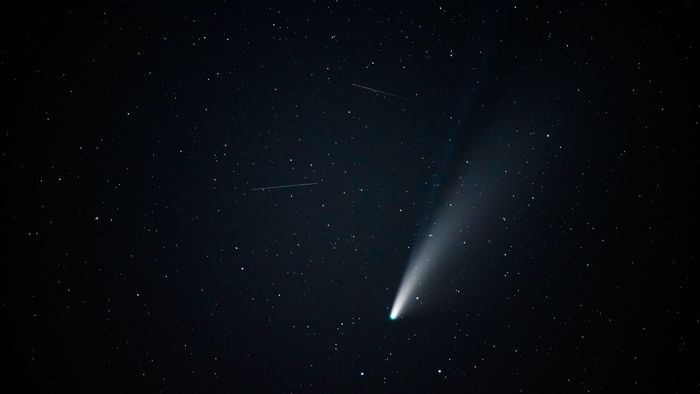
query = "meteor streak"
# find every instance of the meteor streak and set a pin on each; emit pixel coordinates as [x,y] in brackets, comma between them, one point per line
[377,91]
[284,186]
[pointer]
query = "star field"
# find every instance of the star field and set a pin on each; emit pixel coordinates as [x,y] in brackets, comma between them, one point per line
[539,153]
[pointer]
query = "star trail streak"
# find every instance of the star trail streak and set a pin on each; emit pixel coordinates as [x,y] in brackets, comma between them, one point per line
[284,186]
[377,91]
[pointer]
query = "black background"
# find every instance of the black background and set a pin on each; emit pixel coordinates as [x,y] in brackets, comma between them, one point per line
[138,259]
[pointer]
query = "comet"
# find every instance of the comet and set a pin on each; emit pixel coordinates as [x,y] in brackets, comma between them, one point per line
[435,249]
[465,211]
[463,208]
[411,280]
[417,272]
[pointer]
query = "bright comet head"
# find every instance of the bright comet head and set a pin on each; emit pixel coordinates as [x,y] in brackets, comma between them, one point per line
[412,279]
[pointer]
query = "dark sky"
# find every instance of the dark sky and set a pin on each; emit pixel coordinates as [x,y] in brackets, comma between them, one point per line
[138,259]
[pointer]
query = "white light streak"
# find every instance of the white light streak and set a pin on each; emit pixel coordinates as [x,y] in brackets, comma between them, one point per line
[284,186]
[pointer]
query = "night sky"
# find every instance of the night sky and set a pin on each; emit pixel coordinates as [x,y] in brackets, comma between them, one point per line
[545,149]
